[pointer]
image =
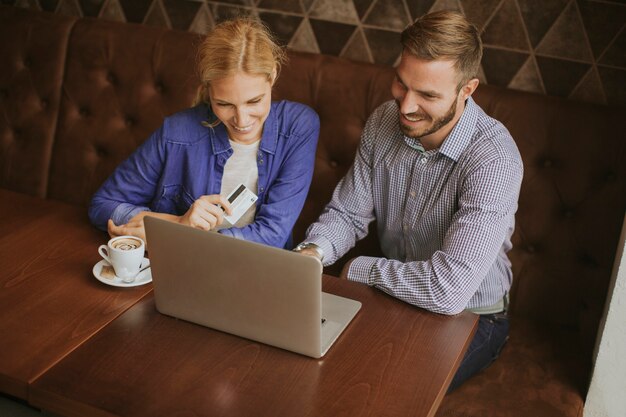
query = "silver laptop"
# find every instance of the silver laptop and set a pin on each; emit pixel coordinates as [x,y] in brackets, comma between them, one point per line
[269,295]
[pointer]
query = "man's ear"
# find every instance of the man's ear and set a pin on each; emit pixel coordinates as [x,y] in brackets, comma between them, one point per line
[469,88]
[273,76]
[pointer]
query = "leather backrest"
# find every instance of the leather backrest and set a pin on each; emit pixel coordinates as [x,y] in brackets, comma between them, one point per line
[120,82]
[32,60]
[571,207]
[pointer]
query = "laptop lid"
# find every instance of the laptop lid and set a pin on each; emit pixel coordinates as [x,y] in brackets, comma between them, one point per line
[255,291]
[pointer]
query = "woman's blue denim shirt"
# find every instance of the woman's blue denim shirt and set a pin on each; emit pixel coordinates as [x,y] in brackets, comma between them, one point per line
[184,160]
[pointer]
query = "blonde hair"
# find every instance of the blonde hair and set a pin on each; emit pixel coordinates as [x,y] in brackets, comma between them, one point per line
[238,45]
[446,35]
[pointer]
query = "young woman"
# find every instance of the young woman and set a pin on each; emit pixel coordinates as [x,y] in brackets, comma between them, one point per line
[235,134]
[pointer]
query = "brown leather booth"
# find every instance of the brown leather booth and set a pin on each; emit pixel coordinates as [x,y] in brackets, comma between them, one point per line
[78,95]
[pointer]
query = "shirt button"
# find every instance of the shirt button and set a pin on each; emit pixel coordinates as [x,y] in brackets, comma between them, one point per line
[412,193]
[424,160]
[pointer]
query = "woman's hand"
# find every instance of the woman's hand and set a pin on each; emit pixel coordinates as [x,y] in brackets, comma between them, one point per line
[133,228]
[205,213]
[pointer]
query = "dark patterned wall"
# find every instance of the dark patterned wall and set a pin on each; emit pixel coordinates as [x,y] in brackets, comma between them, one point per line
[567,48]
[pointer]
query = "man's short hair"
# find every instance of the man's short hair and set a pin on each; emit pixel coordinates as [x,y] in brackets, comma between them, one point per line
[445,35]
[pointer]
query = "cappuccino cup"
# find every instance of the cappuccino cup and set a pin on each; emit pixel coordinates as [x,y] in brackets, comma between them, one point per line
[125,254]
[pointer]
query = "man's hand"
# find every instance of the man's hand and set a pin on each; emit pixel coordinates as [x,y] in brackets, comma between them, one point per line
[205,213]
[310,252]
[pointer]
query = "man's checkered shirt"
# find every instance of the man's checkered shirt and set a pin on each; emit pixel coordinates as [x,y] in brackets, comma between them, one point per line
[445,217]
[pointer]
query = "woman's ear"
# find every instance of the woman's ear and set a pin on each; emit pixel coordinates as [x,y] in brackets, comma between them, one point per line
[202,95]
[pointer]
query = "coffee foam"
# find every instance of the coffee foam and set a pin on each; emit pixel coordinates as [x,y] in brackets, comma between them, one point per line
[126,244]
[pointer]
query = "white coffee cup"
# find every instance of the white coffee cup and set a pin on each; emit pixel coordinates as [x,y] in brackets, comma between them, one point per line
[125,254]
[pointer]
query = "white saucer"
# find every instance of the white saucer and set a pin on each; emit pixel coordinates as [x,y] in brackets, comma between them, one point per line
[144,276]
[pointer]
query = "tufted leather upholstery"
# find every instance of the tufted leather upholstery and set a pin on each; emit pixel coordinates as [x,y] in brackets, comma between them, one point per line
[77,96]
[31,70]
[120,82]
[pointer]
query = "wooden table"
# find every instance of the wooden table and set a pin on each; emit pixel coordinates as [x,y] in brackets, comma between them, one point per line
[393,360]
[50,303]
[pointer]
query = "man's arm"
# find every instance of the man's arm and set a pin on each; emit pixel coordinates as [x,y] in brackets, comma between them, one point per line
[446,282]
[346,218]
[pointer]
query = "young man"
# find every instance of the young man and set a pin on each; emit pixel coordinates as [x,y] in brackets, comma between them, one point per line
[442,180]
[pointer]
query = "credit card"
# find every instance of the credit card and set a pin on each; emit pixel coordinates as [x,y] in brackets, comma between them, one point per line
[241,199]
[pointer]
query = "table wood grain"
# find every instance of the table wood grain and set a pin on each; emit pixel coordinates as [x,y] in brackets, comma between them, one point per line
[50,303]
[393,360]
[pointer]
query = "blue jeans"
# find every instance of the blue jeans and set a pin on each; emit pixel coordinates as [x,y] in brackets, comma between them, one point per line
[490,337]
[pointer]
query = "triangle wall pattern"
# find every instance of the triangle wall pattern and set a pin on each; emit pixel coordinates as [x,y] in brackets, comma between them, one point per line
[568,48]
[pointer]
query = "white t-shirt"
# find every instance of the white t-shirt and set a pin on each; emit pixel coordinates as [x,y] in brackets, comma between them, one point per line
[240,168]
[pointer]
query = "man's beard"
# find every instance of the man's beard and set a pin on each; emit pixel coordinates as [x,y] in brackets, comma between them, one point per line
[435,126]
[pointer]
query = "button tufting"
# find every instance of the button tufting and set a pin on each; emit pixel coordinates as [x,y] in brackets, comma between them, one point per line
[159,86]
[610,176]
[129,121]
[111,78]
[568,213]
[531,248]
[333,164]
[44,103]
[101,152]
[83,111]
[547,163]
[3,93]
[28,62]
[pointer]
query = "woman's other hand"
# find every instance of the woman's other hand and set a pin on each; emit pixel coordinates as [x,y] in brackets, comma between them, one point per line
[133,228]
